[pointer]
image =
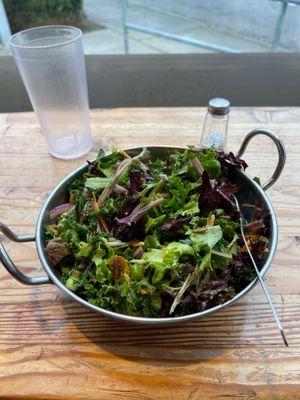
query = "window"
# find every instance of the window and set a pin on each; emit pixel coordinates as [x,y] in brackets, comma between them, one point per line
[168,26]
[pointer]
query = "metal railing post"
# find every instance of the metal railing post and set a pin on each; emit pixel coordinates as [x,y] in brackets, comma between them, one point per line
[125,27]
[279,24]
[5,32]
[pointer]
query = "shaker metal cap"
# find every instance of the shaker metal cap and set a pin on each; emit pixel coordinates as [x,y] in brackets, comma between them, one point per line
[219,106]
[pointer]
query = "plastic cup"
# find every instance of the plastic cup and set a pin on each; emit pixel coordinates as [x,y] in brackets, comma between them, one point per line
[51,63]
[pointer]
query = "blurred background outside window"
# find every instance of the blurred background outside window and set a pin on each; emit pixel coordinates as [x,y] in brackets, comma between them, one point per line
[163,26]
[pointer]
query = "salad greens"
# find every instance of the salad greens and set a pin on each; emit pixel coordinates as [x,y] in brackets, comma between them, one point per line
[155,238]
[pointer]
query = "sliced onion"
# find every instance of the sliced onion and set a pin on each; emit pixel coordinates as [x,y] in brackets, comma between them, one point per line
[118,189]
[138,253]
[164,178]
[59,210]
[121,165]
[198,166]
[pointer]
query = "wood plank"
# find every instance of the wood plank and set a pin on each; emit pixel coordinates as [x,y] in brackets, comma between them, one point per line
[53,348]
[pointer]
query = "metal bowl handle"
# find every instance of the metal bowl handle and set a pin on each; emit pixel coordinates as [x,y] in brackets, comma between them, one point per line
[10,266]
[281,153]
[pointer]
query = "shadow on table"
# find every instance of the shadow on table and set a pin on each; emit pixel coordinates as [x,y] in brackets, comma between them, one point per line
[200,339]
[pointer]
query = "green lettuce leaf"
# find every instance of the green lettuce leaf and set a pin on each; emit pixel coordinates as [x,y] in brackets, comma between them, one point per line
[97,182]
[84,250]
[204,238]
[210,164]
[164,259]
[220,259]
[153,223]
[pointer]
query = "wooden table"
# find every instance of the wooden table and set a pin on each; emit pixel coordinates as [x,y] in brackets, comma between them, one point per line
[53,348]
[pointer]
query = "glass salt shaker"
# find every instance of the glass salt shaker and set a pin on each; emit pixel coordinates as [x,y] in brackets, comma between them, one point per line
[215,126]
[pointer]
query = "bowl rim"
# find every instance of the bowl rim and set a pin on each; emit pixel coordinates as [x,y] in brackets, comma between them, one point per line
[145,320]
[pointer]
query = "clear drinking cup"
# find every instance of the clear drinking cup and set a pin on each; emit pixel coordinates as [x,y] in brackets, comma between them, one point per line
[51,62]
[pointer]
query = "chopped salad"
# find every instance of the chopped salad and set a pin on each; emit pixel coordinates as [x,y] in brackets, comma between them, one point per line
[155,237]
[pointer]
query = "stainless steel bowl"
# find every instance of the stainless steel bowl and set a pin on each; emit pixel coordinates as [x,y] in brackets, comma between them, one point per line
[249,191]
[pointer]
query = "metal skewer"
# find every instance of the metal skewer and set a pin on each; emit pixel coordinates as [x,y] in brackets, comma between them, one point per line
[261,281]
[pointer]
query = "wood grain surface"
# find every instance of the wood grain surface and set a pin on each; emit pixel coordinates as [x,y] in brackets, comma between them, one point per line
[53,348]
